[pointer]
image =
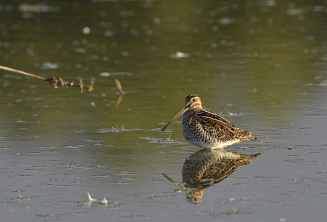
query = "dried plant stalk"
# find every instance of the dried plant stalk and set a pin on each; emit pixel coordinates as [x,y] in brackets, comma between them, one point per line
[54,81]
[21,72]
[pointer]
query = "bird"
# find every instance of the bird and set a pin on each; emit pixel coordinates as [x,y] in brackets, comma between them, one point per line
[206,129]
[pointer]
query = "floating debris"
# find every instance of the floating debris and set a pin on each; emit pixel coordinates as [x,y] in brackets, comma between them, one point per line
[226,21]
[54,81]
[38,8]
[323,83]
[178,55]
[90,198]
[104,201]
[115,130]
[120,89]
[47,65]
[296,11]
[160,140]
[115,74]
[121,92]
[105,74]
[86,30]
[234,114]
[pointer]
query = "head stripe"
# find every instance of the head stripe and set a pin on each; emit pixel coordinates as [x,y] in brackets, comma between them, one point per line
[190,97]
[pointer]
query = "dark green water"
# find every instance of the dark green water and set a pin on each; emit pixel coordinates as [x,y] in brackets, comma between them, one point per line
[261,64]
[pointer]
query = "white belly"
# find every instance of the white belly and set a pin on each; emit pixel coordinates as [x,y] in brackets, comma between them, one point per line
[211,146]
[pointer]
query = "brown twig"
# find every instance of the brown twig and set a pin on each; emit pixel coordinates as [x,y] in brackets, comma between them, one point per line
[21,72]
[54,81]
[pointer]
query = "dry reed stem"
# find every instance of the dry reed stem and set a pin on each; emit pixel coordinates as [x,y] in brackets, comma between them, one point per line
[21,72]
[54,81]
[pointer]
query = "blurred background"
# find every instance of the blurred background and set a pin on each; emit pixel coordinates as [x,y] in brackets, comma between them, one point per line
[261,64]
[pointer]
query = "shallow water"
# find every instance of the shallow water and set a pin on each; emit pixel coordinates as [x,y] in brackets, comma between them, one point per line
[261,64]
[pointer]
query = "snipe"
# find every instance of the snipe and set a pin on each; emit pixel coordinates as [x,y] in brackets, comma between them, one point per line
[206,129]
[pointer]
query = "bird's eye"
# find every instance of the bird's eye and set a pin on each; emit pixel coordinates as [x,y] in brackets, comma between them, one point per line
[193,100]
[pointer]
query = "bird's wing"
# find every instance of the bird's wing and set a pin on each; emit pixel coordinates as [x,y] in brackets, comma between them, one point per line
[216,125]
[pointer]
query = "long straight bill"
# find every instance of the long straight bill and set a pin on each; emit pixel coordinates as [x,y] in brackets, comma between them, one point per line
[178,114]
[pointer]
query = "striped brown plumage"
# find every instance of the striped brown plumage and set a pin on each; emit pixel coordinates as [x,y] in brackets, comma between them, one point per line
[207,129]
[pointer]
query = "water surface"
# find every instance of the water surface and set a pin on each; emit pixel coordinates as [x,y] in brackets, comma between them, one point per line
[260,64]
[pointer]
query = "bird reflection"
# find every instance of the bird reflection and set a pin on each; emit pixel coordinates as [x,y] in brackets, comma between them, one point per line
[206,168]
